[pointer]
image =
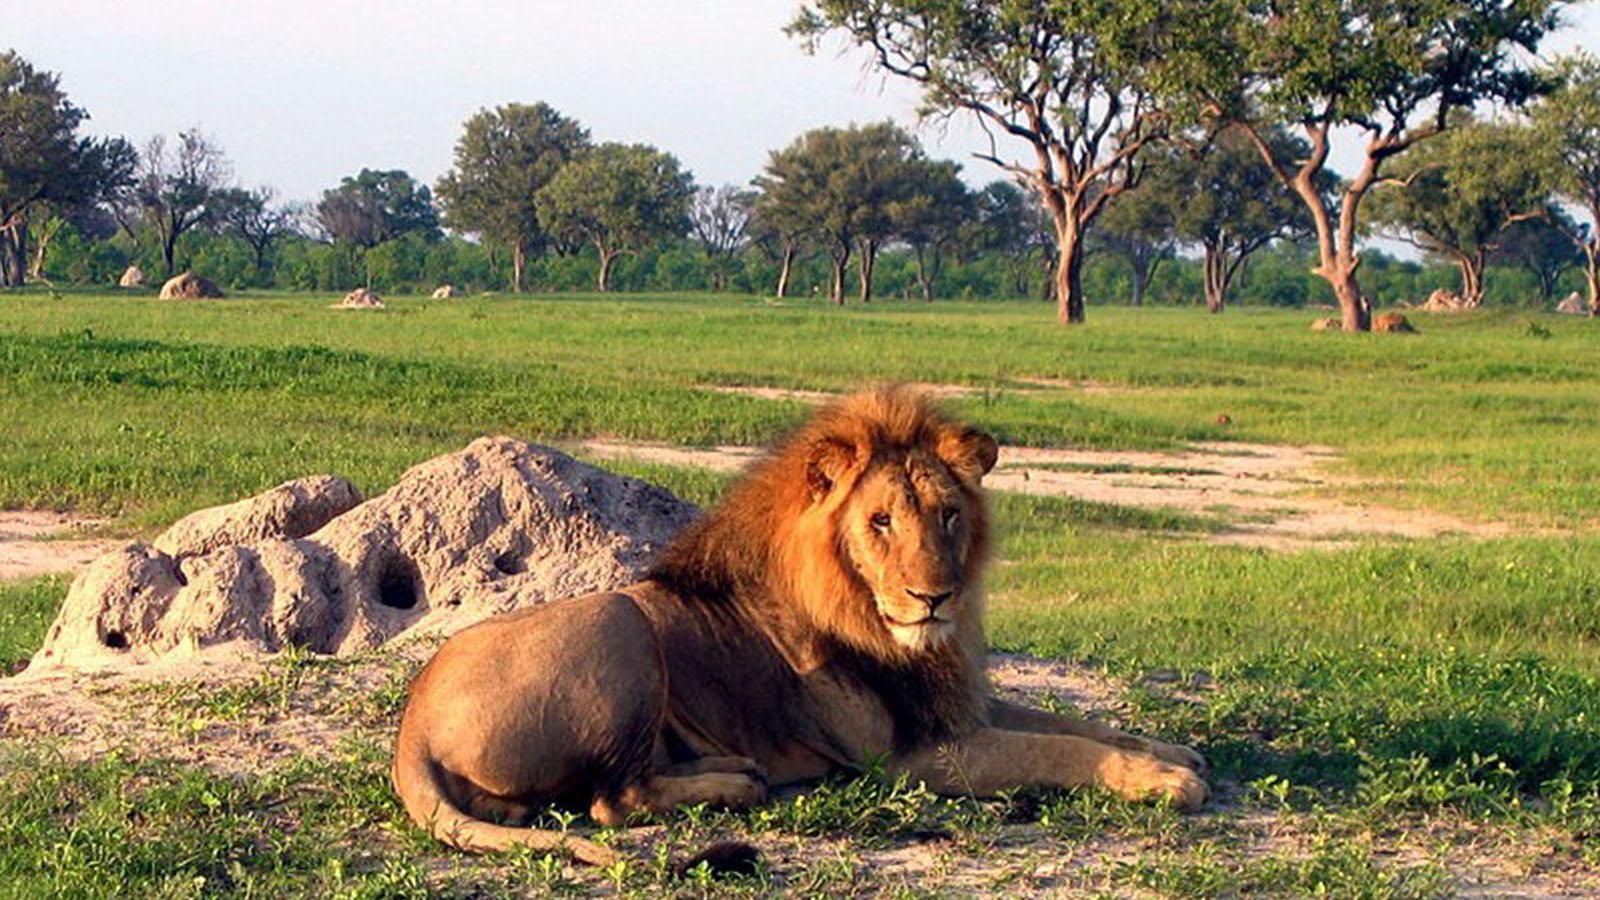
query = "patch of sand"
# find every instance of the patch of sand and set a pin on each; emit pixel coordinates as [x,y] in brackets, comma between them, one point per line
[31,543]
[1030,385]
[1255,492]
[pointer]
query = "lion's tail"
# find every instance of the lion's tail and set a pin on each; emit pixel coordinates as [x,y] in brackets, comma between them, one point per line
[417,780]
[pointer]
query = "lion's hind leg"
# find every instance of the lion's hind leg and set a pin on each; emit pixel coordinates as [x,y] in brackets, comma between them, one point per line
[659,794]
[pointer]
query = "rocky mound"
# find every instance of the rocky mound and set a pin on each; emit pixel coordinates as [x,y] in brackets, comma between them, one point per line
[499,525]
[132,276]
[1572,305]
[1443,300]
[189,286]
[445,292]
[360,298]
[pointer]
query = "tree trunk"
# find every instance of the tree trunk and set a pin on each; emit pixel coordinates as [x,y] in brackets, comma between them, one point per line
[869,259]
[169,253]
[1355,314]
[519,265]
[604,281]
[1141,281]
[11,257]
[52,227]
[1591,274]
[785,270]
[841,260]
[1471,268]
[1068,281]
[923,281]
[1216,277]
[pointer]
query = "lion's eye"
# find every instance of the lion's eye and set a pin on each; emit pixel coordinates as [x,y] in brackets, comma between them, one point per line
[951,516]
[880,521]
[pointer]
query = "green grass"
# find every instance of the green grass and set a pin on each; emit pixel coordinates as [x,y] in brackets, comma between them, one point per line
[26,610]
[1390,706]
[116,401]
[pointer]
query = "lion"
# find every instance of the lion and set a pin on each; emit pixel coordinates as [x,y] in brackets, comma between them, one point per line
[827,614]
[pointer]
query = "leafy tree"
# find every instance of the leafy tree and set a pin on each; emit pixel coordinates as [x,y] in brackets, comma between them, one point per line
[1008,225]
[1141,228]
[1082,85]
[620,198]
[931,215]
[376,206]
[783,234]
[44,161]
[253,217]
[1398,71]
[1541,247]
[841,183]
[1232,206]
[1454,196]
[1568,124]
[175,188]
[719,218]
[503,159]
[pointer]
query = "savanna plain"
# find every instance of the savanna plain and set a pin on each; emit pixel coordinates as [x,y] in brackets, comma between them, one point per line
[1387,715]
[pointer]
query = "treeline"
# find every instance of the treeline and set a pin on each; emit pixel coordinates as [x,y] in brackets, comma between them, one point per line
[1232,213]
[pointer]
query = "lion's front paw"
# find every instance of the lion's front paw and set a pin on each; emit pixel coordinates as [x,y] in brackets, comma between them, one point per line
[1139,777]
[1179,755]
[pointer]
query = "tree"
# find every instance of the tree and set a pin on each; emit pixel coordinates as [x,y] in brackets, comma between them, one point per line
[44,161]
[253,217]
[1232,206]
[931,214]
[782,233]
[504,158]
[840,183]
[1140,228]
[1541,247]
[1568,123]
[1398,71]
[1455,195]
[619,198]
[1007,224]
[374,206]
[175,189]
[1080,84]
[719,218]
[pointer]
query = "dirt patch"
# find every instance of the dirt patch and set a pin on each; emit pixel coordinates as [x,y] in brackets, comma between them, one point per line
[34,542]
[1256,494]
[1024,386]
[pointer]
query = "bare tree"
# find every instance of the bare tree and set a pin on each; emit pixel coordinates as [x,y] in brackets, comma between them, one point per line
[176,188]
[253,217]
[719,218]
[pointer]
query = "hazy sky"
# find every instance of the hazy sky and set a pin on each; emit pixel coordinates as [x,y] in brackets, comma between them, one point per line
[302,92]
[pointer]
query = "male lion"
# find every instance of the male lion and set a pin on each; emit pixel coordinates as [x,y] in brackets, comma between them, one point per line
[829,611]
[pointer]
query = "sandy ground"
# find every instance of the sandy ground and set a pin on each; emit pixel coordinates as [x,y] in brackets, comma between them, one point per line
[1257,493]
[32,543]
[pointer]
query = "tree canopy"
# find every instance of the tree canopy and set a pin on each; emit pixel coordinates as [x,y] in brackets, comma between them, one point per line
[375,205]
[1567,124]
[1455,196]
[504,157]
[618,197]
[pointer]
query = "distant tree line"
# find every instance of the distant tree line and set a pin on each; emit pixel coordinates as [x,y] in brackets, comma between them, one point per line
[1195,188]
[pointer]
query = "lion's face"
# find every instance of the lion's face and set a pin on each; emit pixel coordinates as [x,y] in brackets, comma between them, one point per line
[909,525]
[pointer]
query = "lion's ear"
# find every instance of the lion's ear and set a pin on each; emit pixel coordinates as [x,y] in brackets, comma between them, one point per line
[969,453]
[826,462]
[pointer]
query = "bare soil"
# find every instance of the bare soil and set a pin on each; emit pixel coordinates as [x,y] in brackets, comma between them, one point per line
[36,542]
[1260,495]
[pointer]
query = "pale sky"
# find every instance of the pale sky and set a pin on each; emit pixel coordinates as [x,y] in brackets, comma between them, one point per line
[303,92]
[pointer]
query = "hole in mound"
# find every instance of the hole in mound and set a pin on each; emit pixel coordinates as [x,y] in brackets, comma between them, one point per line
[116,640]
[398,584]
[508,563]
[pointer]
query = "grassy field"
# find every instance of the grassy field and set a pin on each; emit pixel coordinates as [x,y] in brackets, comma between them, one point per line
[1382,717]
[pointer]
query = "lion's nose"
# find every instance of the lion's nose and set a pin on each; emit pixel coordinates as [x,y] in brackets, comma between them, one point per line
[934,601]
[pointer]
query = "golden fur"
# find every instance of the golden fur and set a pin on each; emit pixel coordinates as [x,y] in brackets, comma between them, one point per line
[827,612]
